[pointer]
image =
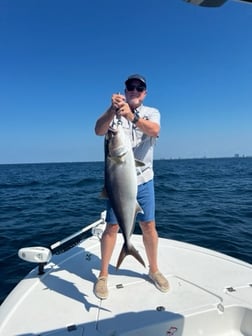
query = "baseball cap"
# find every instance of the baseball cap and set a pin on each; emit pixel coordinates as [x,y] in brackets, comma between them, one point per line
[138,77]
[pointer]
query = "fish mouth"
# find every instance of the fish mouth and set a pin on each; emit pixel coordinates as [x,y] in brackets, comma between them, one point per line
[111,133]
[113,130]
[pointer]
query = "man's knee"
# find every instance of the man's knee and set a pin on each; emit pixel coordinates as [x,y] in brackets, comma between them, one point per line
[111,229]
[148,227]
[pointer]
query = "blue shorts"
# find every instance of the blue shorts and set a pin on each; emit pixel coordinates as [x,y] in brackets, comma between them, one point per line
[146,200]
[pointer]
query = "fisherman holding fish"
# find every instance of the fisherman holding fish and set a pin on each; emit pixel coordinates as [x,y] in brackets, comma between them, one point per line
[131,129]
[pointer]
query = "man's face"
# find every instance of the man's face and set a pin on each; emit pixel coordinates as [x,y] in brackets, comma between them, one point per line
[135,93]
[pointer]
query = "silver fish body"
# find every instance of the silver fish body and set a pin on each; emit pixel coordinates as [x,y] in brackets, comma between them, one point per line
[121,186]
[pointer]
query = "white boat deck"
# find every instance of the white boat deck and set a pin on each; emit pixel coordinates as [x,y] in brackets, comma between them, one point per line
[211,295]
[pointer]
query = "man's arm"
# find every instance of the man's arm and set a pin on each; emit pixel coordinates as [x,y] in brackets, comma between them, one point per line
[148,127]
[151,128]
[102,124]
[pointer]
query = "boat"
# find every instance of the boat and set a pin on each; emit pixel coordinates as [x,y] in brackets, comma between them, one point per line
[210,294]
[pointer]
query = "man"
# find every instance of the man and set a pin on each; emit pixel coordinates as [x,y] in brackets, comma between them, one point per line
[142,125]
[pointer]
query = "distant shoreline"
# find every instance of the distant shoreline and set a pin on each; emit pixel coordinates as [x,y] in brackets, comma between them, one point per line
[235,157]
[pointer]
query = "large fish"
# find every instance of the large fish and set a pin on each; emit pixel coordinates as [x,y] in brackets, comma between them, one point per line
[121,186]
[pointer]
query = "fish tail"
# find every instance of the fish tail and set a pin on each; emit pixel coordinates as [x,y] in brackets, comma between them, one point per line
[130,250]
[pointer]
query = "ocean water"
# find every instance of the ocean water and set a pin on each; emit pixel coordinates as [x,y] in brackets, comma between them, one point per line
[207,202]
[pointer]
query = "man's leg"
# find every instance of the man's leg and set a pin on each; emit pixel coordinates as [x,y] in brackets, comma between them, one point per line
[150,240]
[107,246]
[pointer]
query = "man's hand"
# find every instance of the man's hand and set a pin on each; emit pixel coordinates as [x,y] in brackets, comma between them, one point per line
[117,101]
[125,111]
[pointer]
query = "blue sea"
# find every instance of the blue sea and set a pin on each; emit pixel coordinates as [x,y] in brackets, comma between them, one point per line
[207,202]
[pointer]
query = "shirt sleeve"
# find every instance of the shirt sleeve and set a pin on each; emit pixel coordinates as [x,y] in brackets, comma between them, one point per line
[150,113]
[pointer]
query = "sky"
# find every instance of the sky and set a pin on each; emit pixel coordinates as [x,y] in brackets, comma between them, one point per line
[60,62]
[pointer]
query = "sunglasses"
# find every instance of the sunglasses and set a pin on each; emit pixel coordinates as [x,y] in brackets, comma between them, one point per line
[139,88]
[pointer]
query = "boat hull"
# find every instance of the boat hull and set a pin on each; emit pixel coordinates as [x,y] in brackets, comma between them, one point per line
[211,294]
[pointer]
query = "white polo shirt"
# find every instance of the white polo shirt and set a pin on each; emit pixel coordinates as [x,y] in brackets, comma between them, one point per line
[142,144]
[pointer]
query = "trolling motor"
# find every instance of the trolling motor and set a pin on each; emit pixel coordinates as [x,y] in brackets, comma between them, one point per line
[42,255]
[36,254]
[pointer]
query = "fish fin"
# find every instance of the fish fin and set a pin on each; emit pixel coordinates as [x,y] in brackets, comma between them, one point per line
[129,251]
[104,193]
[138,209]
[139,163]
